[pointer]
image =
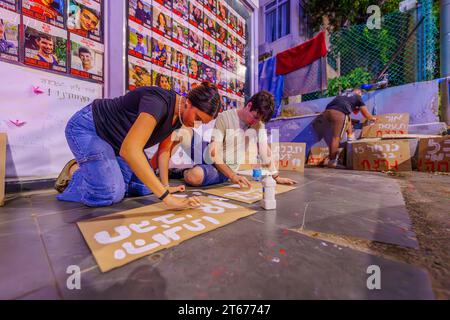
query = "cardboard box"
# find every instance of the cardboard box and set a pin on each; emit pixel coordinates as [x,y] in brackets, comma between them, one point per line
[290,156]
[3,140]
[434,154]
[393,123]
[413,150]
[382,155]
[317,156]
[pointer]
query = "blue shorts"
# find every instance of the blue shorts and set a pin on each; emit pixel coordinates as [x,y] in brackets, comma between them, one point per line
[211,175]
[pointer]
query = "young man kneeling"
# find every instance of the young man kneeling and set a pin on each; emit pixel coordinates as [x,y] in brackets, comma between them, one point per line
[229,127]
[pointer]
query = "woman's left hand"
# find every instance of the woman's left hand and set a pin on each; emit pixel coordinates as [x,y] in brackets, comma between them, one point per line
[286,181]
[176,189]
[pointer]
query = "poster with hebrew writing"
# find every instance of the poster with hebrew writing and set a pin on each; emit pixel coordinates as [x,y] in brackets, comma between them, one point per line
[386,124]
[382,155]
[434,154]
[289,156]
[9,4]
[121,238]
[234,192]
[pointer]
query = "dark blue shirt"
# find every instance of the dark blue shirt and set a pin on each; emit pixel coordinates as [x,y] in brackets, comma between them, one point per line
[346,103]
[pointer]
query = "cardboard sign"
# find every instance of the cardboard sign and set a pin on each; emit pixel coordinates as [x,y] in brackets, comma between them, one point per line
[249,196]
[434,154]
[382,155]
[290,156]
[318,155]
[120,238]
[2,167]
[393,123]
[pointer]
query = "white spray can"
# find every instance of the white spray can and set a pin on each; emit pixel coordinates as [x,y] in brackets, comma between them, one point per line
[269,185]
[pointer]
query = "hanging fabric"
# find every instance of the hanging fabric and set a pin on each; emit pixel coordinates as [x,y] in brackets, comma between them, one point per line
[302,55]
[310,78]
[269,81]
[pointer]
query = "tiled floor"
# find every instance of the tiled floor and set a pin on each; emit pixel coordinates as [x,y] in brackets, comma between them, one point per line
[259,257]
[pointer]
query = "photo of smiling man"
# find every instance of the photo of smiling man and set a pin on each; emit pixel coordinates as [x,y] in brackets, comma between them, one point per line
[46,46]
[84,19]
[86,58]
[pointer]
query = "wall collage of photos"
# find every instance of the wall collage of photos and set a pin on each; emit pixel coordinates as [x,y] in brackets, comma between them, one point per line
[64,36]
[176,44]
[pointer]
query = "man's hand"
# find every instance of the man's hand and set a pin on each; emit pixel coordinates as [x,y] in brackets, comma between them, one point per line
[286,181]
[176,189]
[373,119]
[179,204]
[241,181]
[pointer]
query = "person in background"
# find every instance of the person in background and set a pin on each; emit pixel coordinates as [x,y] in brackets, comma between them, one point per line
[109,136]
[337,120]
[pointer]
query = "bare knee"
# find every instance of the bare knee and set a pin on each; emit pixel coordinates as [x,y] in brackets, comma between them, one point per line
[194,176]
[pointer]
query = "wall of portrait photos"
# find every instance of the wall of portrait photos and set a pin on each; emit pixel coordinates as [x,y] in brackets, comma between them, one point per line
[62,36]
[176,44]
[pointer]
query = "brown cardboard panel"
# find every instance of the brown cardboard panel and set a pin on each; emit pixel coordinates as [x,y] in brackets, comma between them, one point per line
[290,156]
[434,154]
[3,140]
[382,155]
[249,196]
[318,155]
[121,238]
[393,123]
[409,136]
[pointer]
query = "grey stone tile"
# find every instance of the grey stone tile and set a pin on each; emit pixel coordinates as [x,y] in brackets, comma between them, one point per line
[252,260]
[24,266]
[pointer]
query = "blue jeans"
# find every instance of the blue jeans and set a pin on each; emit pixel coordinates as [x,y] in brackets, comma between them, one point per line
[103,178]
[211,175]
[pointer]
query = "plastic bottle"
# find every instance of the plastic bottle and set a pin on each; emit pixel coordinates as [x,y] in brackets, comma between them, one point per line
[257,171]
[269,202]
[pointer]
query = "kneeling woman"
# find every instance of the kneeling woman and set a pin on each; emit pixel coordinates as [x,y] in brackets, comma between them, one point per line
[109,136]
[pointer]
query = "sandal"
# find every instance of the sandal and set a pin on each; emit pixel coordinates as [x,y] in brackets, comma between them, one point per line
[64,177]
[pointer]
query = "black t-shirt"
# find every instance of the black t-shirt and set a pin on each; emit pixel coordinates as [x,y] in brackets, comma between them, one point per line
[113,118]
[346,103]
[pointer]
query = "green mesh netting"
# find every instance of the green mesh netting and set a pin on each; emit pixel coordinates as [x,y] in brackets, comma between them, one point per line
[358,47]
